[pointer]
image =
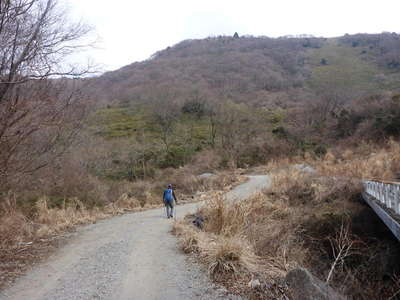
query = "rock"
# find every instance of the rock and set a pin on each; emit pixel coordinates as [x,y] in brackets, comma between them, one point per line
[199,222]
[304,168]
[254,283]
[206,175]
[303,286]
[222,291]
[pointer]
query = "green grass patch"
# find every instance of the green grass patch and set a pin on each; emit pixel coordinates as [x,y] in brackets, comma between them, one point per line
[119,121]
[344,68]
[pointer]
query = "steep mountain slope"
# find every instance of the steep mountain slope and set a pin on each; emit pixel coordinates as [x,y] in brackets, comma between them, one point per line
[239,69]
[258,70]
[249,99]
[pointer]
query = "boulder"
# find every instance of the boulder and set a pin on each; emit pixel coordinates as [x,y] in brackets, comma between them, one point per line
[206,175]
[199,222]
[304,168]
[254,284]
[304,286]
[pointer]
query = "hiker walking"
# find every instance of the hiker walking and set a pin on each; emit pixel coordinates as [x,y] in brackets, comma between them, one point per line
[169,199]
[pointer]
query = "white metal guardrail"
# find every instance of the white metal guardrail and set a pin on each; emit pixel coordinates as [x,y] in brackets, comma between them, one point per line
[387,194]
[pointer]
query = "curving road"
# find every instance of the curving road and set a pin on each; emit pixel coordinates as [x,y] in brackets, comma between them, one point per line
[133,256]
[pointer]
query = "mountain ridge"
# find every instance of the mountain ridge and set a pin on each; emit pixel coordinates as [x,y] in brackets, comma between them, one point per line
[258,69]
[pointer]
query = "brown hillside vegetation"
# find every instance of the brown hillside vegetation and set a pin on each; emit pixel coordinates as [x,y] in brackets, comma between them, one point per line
[225,102]
[315,220]
[76,150]
[28,234]
[259,70]
[237,68]
[247,100]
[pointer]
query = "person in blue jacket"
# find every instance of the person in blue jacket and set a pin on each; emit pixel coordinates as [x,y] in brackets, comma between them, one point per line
[170,200]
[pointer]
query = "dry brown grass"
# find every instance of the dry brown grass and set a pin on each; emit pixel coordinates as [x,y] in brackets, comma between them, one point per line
[314,209]
[367,161]
[294,223]
[56,220]
[124,203]
[25,240]
[223,255]
[34,228]
[227,255]
[190,238]
[49,219]
[187,182]
[15,228]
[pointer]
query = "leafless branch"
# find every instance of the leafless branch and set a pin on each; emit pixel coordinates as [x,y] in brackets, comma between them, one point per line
[342,247]
[40,108]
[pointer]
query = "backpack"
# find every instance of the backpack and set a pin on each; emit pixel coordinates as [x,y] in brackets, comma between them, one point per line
[168,197]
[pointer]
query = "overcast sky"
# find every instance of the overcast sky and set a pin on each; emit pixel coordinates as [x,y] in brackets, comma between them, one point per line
[132,30]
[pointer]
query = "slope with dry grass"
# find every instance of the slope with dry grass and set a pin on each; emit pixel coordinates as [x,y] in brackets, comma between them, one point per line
[315,220]
[27,236]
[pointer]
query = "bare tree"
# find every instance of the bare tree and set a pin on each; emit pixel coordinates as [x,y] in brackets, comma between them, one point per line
[210,113]
[39,106]
[343,245]
[166,113]
[238,127]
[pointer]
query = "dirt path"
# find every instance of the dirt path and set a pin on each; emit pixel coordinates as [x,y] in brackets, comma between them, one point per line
[133,256]
[255,184]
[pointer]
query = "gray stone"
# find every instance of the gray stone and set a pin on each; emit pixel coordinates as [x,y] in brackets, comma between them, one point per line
[199,222]
[206,175]
[304,286]
[254,283]
[304,168]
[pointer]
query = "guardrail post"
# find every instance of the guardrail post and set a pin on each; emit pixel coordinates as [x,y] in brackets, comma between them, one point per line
[397,199]
[386,193]
[374,187]
[392,197]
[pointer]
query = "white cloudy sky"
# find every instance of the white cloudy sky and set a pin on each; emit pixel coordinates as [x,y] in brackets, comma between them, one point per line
[132,30]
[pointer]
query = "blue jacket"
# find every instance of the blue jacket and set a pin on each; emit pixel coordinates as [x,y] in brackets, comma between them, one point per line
[169,195]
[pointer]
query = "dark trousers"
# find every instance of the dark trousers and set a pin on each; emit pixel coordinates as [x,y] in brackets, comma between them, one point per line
[170,208]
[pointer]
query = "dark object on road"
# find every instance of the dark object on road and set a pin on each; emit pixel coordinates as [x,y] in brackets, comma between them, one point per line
[199,222]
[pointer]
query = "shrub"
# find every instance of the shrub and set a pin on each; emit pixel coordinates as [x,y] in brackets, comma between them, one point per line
[320,150]
[194,107]
[229,255]
[297,221]
[176,157]
[15,228]
[223,255]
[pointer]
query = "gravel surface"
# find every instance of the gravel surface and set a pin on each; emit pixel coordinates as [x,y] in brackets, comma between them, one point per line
[255,184]
[133,256]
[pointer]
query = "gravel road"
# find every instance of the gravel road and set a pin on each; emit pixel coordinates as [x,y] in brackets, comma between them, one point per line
[133,256]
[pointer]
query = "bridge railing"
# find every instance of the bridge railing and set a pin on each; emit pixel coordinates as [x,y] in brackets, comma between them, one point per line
[388,193]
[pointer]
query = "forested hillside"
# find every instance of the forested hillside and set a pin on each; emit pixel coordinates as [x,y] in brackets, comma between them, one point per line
[249,99]
[73,151]
[260,70]
[266,104]
[225,67]
[224,101]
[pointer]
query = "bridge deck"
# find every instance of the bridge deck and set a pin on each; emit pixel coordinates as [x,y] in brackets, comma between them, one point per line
[391,220]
